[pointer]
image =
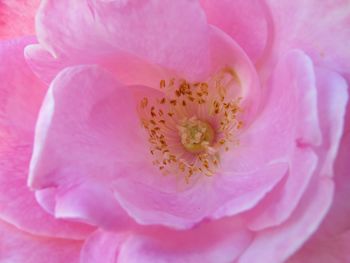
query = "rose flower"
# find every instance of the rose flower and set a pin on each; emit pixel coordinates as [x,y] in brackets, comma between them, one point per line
[174,131]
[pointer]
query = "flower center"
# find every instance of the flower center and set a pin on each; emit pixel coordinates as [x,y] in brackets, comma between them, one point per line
[196,135]
[191,124]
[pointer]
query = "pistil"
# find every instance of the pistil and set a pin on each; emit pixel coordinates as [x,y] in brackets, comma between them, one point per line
[196,135]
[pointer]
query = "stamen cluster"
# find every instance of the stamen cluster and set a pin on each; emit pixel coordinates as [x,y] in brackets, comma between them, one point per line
[192,124]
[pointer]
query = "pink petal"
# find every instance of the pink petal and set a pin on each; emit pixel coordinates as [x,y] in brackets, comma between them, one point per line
[330,244]
[43,64]
[86,138]
[19,247]
[86,203]
[100,245]
[105,27]
[276,244]
[126,67]
[277,206]
[332,100]
[19,105]
[215,197]
[338,217]
[17,18]
[91,204]
[283,122]
[280,203]
[20,99]
[47,199]
[325,36]
[245,21]
[334,249]
[220,241]
[225,52]
[239,192]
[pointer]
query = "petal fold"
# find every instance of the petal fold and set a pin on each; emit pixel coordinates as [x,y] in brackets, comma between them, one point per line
[19,247]
[21,95]
[227,241]
[325,36]
[276,244]
[102,245]
[85,138]
[104,27]
[247,22]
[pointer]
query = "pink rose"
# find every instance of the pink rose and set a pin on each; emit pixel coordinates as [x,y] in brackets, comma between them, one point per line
[176,131]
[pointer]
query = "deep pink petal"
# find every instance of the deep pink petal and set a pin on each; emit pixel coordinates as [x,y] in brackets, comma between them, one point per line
[21,95]
[17,18]
[18,247]
[104,27]
[21,92]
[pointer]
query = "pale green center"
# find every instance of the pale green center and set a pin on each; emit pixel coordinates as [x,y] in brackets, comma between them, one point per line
[196,135]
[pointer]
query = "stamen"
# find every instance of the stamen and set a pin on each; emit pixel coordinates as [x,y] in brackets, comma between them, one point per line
[192,125]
